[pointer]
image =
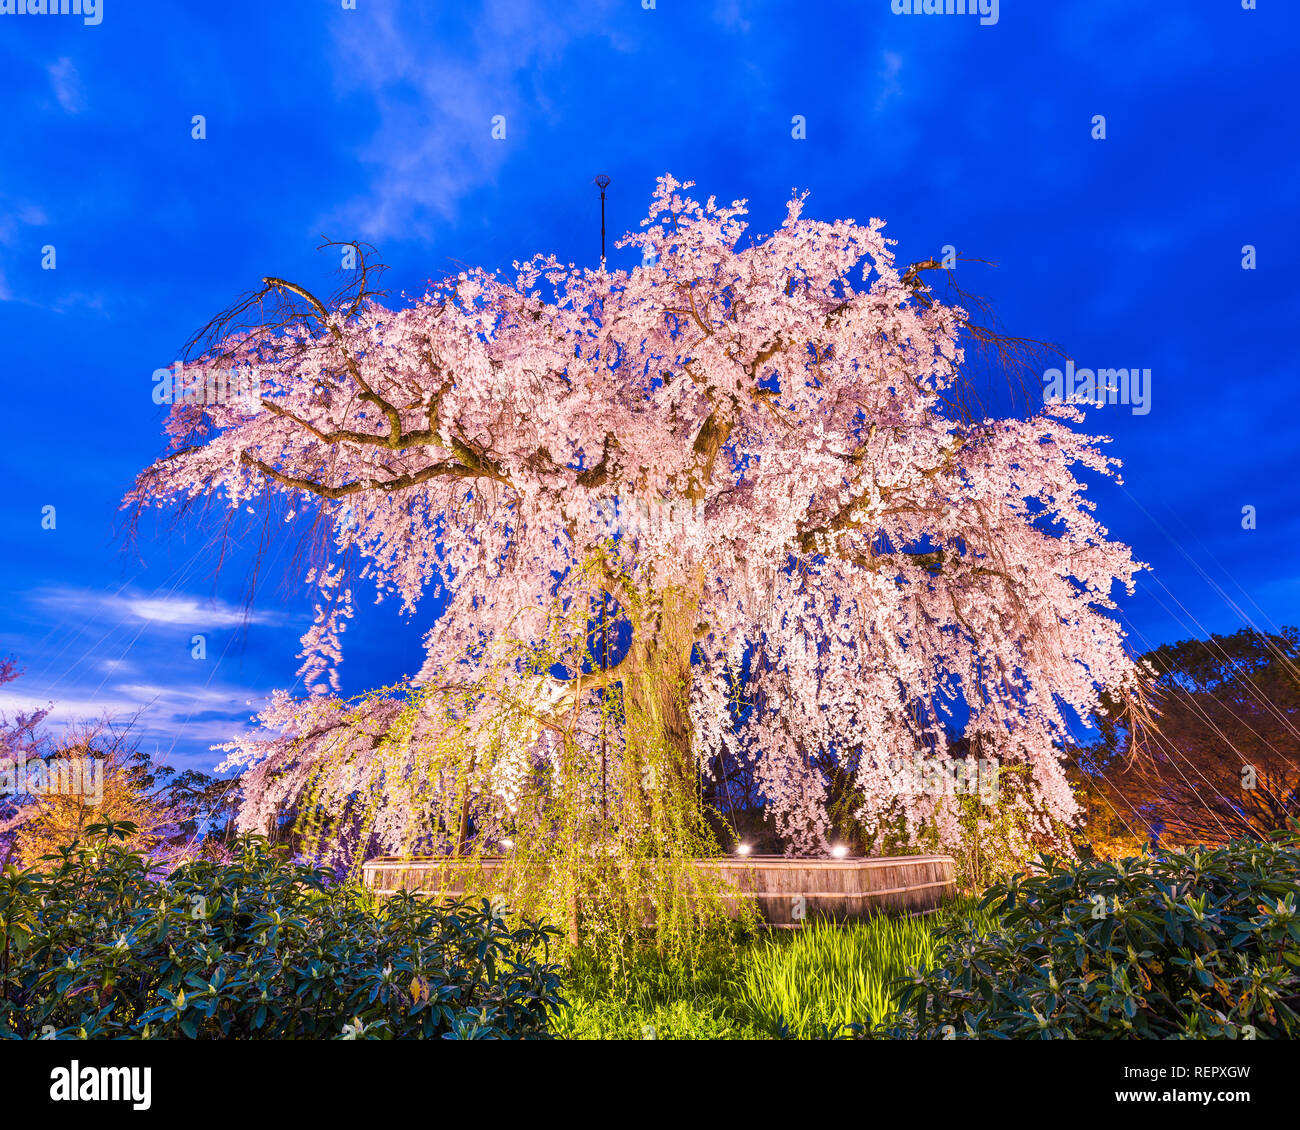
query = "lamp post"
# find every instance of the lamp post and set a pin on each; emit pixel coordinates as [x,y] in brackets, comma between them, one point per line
[602,182]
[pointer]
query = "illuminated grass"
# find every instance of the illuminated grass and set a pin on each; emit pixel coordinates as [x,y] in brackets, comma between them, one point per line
[801,983]
[824,976]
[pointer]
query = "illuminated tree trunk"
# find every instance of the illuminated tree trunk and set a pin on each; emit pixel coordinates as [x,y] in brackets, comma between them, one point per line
[656,685]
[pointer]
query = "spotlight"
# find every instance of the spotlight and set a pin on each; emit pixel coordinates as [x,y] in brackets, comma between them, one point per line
[742,849]
[839,851]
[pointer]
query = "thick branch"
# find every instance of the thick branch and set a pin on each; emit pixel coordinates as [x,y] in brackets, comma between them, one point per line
[412,478]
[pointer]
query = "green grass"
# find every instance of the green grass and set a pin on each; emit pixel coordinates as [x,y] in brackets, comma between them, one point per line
[801,983]
[657,999]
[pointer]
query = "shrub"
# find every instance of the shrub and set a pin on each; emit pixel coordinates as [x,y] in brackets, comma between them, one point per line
[94,946]
[1188,945]
[990,838]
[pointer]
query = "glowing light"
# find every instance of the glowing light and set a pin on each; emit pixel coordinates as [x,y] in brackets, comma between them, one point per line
[839,851]
[742,849]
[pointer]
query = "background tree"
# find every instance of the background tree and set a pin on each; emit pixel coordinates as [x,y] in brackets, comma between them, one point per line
[751,457]
[1222,761]
[176,813]
[21,738]
[52,820]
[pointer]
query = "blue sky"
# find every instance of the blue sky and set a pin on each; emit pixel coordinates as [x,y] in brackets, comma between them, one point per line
[375,123]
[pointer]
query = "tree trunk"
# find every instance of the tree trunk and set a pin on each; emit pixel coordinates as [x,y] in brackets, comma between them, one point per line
[656,687]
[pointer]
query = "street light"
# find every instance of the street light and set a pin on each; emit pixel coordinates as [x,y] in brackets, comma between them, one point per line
[602,182]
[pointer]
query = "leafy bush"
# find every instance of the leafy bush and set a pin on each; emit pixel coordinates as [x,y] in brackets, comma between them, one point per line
[95,946]
[1189,945]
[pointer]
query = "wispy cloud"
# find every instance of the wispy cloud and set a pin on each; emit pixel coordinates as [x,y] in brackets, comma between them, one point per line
[174,609]
[176,720]
[890,87]
[125,657]
[434,142]
[17,212]
[67,85]
[16,217]
[731,15]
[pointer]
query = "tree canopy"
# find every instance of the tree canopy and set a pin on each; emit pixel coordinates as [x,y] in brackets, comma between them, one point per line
[1223,760]
[726,504]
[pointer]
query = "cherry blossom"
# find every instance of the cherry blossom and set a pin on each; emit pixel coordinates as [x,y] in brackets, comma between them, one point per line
[747,450]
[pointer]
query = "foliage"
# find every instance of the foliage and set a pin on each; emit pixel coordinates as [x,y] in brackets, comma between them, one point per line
[825,977]
[1188,945]
[990,838]
[1111,825]
[128,791]
[113,780]
[989,822]
[257,948]
[656,996]
[21,739]
[815,982]
[1222,760]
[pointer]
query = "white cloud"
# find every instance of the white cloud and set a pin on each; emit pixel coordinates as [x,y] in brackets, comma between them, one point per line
[14,212]
[182,717]
[175,609]
[67,85]
[116,667]
[730,14]
[435,105]
[890,87]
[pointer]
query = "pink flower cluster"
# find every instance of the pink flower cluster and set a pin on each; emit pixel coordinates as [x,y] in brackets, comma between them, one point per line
[868,567]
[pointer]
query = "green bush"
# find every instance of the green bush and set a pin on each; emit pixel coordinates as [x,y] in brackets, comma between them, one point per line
[1188,945]
[94,946]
